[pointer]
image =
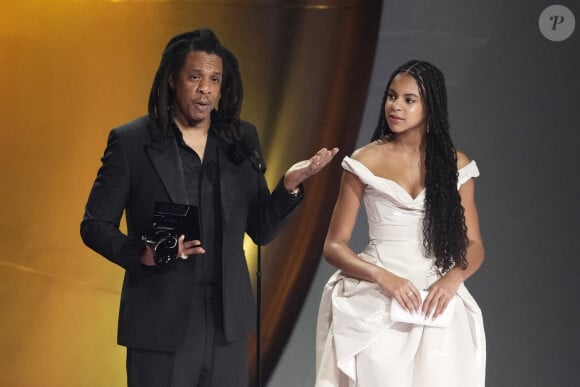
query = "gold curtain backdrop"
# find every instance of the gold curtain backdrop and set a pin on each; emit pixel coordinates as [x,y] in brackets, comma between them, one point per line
[72,70]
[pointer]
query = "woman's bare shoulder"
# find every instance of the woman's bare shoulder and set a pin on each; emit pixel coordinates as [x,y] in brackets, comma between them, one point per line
[370,153]
[462,160]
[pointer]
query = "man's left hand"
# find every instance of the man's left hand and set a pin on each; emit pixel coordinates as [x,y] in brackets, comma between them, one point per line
[302,170]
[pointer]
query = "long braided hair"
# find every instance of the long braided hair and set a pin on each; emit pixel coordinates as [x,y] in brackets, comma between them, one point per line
[161,96]
[444,229]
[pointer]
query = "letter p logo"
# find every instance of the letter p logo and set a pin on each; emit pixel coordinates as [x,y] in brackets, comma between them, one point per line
[557,23]
[556,20]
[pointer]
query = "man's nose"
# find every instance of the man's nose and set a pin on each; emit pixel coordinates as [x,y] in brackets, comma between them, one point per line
[204,86]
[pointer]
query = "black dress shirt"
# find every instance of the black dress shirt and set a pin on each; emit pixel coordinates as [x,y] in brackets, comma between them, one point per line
[203,190]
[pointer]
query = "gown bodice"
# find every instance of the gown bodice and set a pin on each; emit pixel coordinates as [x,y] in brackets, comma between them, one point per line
[392,213]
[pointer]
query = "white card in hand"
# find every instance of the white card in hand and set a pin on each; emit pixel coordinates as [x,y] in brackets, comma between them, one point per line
[400,314]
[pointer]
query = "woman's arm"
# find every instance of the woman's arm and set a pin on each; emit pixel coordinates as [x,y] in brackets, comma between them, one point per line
[337,252]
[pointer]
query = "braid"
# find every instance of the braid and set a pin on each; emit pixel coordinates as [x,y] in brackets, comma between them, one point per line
[444,229]
[173,58]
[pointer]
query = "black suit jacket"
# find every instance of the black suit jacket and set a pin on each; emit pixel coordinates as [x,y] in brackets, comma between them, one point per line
[136,172]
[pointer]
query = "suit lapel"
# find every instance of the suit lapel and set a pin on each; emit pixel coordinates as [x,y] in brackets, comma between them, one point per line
[165,158]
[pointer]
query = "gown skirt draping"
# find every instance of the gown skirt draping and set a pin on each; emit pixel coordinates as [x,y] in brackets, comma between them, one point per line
[357,344]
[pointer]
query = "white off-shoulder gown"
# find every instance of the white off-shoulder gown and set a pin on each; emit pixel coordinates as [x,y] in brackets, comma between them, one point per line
[357,344]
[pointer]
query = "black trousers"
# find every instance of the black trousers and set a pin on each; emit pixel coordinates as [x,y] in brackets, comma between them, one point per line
[204,360]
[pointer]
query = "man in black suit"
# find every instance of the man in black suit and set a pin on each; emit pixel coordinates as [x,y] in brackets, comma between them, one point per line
[187,310]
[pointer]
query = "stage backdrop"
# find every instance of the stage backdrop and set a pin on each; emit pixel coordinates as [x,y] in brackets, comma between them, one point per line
[72,70]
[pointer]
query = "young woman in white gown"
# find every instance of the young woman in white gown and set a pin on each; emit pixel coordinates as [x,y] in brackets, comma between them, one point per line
[418,192]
